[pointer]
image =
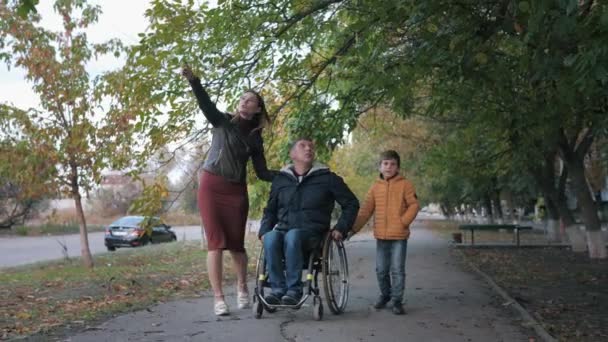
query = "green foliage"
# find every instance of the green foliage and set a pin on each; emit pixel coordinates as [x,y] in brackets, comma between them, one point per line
[294,50]
[26,7]
[116,201]
[258,196]
[21,231]
[26,177]
[505,82]
[53,229]
[66,130]
[70,130]
[152,200]
[189,198]
[358,161]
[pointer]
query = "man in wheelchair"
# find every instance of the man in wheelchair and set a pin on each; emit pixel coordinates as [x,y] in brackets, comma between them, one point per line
[297,217]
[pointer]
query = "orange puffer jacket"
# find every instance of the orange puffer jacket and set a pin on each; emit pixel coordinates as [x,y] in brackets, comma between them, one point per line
[394,204]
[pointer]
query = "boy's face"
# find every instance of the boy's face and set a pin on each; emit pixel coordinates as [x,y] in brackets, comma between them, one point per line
[388,168]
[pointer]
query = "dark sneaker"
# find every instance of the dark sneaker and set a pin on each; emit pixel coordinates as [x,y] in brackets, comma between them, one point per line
[290,299]
[398,308]
[381,302]
[273,299]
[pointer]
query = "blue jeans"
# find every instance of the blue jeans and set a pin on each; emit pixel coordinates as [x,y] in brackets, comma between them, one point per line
[290,246]
[390,268]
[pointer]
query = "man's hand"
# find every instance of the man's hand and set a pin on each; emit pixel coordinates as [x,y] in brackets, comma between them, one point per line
[336,235]
[187,73]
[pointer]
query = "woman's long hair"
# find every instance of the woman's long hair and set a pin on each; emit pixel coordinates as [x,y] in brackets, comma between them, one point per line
[262,116]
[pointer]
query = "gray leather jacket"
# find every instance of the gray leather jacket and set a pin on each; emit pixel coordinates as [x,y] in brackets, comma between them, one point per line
[230,149]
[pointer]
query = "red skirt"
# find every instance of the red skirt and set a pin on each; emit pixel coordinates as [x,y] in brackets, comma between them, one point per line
[223,206]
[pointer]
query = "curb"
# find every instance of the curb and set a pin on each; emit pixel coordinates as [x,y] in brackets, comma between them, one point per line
[538,328]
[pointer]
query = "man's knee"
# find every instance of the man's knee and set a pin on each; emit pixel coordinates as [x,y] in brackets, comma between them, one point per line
[272,240]
[294,238]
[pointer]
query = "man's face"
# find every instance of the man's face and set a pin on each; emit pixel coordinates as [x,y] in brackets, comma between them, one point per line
[303,152]
[388,168]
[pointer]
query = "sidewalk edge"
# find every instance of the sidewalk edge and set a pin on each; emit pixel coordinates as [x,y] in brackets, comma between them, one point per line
[538,328]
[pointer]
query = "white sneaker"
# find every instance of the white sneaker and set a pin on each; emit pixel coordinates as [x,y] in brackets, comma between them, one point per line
[221,309]
[242,300]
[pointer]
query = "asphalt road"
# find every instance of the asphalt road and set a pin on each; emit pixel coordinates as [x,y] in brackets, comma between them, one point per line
[444,303]
[15,251]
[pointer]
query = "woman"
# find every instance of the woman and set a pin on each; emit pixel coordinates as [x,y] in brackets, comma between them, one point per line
[222,194]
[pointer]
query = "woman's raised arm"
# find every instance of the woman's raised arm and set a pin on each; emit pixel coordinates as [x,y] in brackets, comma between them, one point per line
[209,109]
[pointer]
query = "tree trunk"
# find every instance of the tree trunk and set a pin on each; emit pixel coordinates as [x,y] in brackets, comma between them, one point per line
[555,199]
[561,201]
[510,208]
[565,214]
[588,207]
[497,207]
[479,217]
[573,155]
[585,201]
[552,224]
[487,204]
[577,239]
[596,243]
[85,252]
[468,213]
[444,210]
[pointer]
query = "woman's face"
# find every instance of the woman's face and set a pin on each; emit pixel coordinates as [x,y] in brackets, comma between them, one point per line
[248,106]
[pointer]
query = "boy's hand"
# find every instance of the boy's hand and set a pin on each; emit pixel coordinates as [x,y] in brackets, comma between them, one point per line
[336,235]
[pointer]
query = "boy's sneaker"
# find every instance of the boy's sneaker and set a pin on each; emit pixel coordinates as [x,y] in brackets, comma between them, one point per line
[291,299]
[381,302]
[273,299]
[398,308]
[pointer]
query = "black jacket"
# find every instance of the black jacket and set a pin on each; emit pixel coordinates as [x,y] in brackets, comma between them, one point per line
[308,204]
[230,149]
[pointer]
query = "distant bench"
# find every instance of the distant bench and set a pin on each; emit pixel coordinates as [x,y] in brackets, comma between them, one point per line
[493,227]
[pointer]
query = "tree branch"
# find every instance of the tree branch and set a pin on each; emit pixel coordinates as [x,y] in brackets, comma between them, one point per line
[301,15]
[585,142]
[311,81]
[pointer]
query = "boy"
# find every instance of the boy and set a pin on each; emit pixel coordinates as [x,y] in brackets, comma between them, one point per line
[393,200]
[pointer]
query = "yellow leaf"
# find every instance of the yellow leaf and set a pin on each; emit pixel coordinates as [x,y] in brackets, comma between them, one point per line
[23,315]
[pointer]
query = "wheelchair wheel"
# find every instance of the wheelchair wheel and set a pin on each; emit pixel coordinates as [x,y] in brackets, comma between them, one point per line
[317,308]
[258,308]
[335,275]
[261,281]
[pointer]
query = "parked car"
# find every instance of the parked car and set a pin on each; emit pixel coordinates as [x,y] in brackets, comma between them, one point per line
[133,231]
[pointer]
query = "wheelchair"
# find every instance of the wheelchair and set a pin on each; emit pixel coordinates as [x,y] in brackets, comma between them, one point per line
[328,262]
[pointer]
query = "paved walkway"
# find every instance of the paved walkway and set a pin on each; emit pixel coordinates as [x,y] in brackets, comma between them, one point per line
[444,303]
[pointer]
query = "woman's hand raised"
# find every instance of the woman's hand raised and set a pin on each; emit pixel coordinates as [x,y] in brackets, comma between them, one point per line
[187,73]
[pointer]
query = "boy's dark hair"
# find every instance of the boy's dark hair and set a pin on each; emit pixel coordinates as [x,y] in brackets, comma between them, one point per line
[390,154]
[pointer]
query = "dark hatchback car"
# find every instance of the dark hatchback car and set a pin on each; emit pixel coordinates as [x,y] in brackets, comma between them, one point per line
[130,231]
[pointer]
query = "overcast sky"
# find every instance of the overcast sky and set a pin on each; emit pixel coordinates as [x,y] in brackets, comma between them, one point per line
[122,19]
